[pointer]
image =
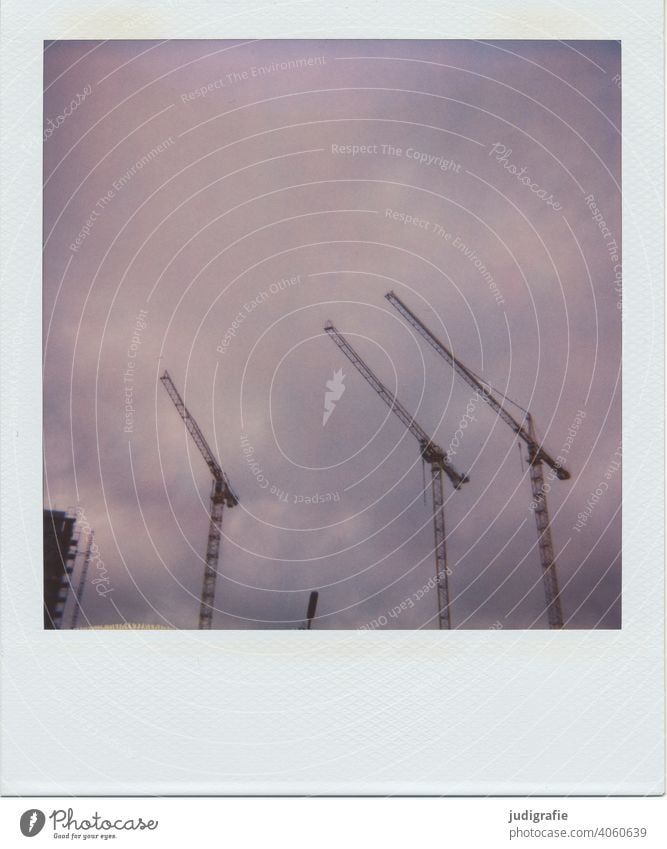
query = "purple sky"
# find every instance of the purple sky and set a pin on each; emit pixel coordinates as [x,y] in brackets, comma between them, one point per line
[248,179]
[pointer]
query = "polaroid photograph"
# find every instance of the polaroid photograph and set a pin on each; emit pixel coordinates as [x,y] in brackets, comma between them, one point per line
[348,331]
[453,459]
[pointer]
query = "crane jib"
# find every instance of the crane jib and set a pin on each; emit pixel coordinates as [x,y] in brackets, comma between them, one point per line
[537,453]
[435,453]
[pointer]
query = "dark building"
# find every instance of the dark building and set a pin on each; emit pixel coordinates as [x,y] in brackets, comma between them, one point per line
[60,550]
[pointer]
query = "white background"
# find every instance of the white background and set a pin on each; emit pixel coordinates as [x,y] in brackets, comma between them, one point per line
[388,713]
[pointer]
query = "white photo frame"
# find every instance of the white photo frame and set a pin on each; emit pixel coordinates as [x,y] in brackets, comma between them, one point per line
[532,712]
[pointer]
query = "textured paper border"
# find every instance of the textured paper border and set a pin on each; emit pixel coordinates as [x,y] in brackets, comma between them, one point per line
[347,712]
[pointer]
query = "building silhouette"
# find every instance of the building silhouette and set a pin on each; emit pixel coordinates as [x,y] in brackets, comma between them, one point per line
[60,550]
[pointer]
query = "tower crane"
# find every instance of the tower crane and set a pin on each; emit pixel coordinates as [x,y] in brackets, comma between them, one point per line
[310,613]
[222,495]
[537,457]
[432,454]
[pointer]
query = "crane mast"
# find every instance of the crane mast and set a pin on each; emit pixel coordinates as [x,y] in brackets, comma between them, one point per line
[432,454]
[222,495]
[537,456]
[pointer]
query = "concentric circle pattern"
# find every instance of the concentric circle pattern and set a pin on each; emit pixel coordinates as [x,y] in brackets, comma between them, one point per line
[210,206]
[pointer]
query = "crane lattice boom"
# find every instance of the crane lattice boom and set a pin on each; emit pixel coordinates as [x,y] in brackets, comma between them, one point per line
[536,457]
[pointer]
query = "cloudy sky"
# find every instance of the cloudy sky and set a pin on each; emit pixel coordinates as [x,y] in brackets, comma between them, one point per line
[209,205]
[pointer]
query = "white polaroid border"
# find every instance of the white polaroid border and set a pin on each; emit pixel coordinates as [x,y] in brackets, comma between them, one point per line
[350,712]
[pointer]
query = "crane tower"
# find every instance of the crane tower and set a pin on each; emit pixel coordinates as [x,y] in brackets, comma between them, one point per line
[432,454]
[537,456]
[310,613]
[222,495]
